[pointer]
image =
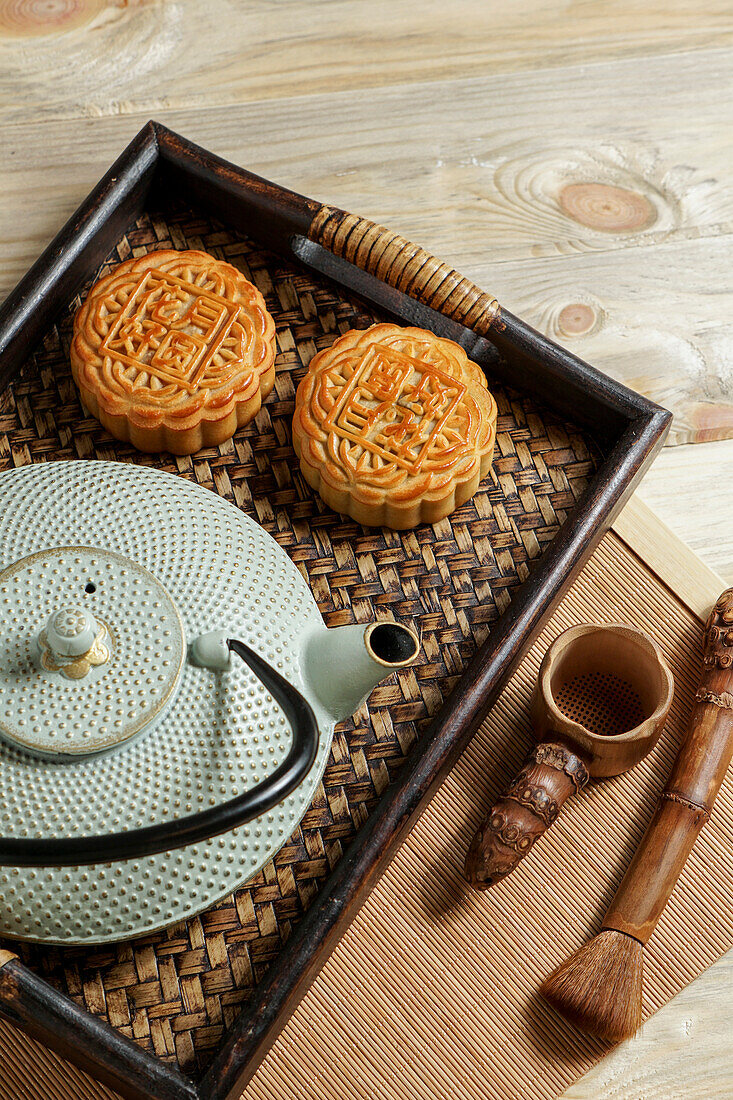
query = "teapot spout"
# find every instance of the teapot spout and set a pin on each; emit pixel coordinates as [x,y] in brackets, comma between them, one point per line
[342,665]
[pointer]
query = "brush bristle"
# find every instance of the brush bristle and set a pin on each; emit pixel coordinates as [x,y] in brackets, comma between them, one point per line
[599,988]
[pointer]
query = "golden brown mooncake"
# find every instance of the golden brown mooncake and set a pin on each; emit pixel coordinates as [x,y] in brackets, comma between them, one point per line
[173,351]
[394,426]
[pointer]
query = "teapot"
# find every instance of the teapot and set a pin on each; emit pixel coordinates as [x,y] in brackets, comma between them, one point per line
[164,670]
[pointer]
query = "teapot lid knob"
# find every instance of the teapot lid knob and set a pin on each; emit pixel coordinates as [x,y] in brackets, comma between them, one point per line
[73,642]
[71,631]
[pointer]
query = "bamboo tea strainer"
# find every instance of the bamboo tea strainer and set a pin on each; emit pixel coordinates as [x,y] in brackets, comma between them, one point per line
[600,703]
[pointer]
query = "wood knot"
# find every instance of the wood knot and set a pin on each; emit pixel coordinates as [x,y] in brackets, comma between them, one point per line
[610,209]
[24,18]
[576,319]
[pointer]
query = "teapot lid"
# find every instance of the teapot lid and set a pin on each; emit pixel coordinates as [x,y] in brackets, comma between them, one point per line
[91,653]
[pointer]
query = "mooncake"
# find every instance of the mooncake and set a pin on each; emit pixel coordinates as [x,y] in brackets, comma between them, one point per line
[173,351]
[394,426]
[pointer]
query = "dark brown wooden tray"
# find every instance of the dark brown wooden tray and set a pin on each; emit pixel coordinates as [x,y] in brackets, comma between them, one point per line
[190,1012]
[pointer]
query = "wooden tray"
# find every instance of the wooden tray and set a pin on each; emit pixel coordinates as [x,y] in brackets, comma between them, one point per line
[571,445]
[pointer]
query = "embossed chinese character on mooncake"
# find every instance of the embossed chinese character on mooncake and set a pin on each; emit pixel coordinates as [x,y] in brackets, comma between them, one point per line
[173,351]
[394,426]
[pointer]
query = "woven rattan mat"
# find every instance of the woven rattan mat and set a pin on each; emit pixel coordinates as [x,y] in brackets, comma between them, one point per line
[431,993]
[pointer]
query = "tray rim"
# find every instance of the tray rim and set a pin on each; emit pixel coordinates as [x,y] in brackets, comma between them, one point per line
[635,426]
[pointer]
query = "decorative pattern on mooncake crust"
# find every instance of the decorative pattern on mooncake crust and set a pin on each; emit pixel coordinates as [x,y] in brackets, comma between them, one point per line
[173,351]
[394,426]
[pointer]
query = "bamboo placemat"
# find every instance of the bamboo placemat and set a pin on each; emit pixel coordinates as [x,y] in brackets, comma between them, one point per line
[431,993]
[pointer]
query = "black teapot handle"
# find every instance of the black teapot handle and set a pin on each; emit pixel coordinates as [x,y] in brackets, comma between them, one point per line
[148,841]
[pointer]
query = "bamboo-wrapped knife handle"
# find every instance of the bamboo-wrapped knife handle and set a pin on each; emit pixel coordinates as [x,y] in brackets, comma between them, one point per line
[405,266]
[691,790]
[530,804]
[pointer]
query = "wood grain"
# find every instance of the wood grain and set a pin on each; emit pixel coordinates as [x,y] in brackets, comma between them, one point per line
[147,54]
[674,347]
[690,487]
[648,536]
[490,196]
[480,184]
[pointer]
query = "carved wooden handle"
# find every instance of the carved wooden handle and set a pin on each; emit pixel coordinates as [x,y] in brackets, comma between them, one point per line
[530,804]
[405,266]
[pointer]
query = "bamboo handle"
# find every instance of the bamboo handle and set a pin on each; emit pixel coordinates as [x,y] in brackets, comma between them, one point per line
[528,807]
[404,266]
[693,785]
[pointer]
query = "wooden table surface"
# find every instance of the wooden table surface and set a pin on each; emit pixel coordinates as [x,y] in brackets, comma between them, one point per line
[573,159]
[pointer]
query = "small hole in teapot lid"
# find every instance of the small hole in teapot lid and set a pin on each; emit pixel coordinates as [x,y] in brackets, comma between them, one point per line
[90,587]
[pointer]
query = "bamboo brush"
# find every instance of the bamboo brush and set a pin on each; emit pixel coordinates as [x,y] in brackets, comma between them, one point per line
[599,989]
